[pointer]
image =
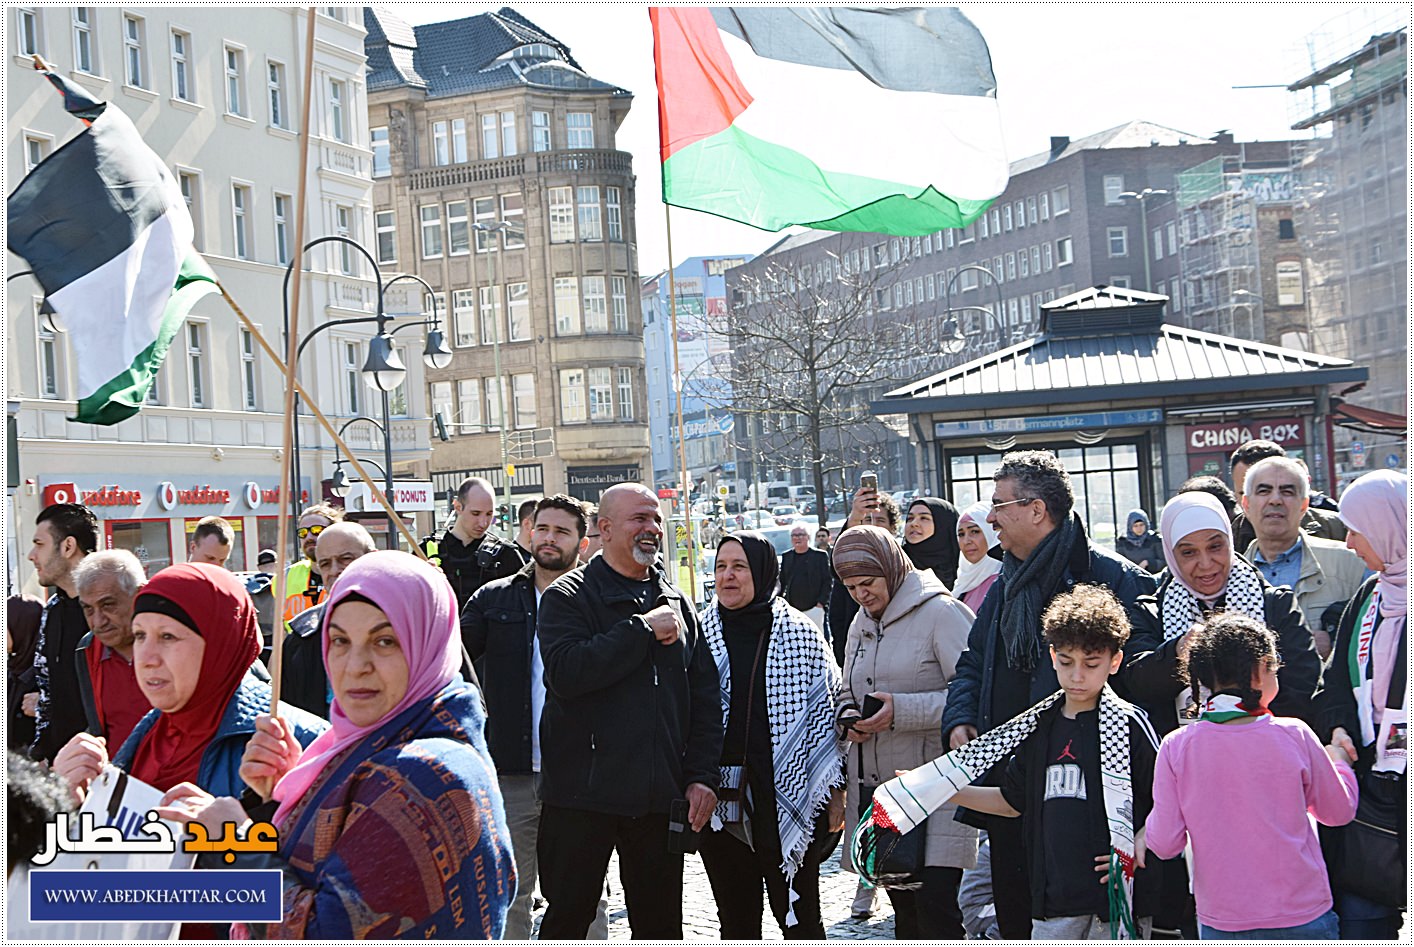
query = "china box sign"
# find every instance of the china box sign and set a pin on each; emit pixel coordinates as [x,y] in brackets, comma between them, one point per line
[1206,438]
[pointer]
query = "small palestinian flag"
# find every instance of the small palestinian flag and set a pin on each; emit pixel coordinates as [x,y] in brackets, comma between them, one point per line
[840,72]
[102,224]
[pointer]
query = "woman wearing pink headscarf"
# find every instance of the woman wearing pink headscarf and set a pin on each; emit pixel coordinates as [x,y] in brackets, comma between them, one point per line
[391,823]
[1365,702]
[1205,575]
[978,570]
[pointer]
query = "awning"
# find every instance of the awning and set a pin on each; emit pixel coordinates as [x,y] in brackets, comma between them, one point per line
[1369,420]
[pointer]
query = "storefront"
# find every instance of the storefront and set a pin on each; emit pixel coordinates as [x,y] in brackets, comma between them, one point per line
[1131,405]
[587,483]
[154,519]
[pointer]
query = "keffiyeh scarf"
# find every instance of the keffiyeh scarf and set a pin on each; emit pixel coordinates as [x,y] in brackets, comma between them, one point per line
[1181,609]
[904,802]
[801,683]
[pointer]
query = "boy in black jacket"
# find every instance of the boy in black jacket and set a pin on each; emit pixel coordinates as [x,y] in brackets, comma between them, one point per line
[1053,780]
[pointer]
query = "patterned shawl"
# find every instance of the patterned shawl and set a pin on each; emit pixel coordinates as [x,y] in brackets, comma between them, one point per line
[904,802]
[801,683]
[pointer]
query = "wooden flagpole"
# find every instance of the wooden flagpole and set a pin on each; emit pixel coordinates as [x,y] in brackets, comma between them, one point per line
[684,484]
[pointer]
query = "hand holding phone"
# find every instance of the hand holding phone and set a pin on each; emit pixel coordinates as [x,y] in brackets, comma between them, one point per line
[869,481]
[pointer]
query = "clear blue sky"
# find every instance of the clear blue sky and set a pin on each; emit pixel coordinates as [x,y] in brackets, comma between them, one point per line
[1062,69]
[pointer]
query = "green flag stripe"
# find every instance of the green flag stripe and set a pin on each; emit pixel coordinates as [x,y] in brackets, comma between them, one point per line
[741,177]
[122,396]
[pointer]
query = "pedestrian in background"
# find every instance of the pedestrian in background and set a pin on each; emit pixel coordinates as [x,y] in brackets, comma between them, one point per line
[805,577]
[976,540]
[930,537]
[1139,543]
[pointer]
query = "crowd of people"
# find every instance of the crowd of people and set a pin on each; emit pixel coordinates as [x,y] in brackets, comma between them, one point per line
[1143,734]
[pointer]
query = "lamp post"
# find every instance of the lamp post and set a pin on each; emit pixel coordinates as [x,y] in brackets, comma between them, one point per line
[339,483]
[383,369]
[955,342]
[495,230]
[1143,198]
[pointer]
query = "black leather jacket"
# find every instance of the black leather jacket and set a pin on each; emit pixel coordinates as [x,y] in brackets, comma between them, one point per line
[498,629]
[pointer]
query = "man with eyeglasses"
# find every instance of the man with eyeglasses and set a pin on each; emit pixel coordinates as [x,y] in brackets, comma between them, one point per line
[304,586]
[1004,669]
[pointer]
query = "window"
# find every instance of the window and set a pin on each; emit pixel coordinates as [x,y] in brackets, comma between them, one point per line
[249,394]
[996,221]
[625,394]
[1045,205]
[398,397]
[571,395]
[908,292]
[1063,252]
[518,311]
[898,296]
[1120,281]
[1291,289]
[182,85]
[1286,229]
[85,52]
[382,151]
[458,231]
[1006,218]
[431,217]
[27,31]
[282,229]
[561,214]
[523,401]
[539,131]
[343,226]
[951,237]
[579,130]
[351,371]
[50,385]
[596,315]
[279,113]
[1031,217]
[441,150]
[1118,240]
[590,225]
[386,236]
[600,395]
[495,397]
[1175,295]
[1171,230]
[1157,240]
[1035,260]
[1025,309]
[931,286]
[1011,265]
[881,254]
[513,214]
[917,248]
[134,62]
[459,140]
[240,200]
[469,405]
[618,302]
[997,270]
[441,394]
[1020,214]
[1114,186]
[485,208]
[491,329]
[464,317]
[1047,260]
[196,365]
[191,194]
[1060,200]
[895,254]
[508,133]
[36,150]
[489,142]
[1024,262]
[613,212]
[338,129]
[567,306]
[984,232]
[235,80]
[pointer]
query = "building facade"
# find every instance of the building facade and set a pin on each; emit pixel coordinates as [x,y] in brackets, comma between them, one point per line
[209,88]
[496,179]
[1352,221]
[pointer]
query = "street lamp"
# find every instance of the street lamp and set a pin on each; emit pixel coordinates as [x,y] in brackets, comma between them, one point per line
[340,485]
[383,369]
[1143,198]
[954,341]
[496,229]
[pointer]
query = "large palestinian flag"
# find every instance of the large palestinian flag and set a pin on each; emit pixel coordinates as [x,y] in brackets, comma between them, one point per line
[730,80]
[102,224]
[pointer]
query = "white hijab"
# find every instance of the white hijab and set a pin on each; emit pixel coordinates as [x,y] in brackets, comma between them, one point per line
[972,574]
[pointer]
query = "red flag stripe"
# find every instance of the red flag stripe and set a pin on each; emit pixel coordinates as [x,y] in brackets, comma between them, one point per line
[699,92]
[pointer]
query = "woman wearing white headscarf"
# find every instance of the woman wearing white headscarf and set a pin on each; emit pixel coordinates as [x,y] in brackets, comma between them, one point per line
[978,570]
[1365,703]
[1205,575]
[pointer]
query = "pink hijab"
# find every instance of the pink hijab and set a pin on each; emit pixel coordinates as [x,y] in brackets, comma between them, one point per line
[1377,507]
[419,603]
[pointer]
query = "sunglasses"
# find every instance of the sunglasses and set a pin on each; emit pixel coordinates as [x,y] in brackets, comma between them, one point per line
[304,532]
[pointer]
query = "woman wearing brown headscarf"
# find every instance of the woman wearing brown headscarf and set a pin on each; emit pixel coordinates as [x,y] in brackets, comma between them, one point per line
[902,650]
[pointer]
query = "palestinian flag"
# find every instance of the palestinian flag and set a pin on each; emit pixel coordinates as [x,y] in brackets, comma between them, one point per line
[102,224]
[905,135]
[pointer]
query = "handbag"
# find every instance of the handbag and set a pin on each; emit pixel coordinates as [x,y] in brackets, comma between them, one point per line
[896,860]
[1367,855]
[735,790]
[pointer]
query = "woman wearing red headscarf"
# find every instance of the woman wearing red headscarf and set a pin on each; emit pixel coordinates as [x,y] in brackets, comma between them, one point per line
[195,644]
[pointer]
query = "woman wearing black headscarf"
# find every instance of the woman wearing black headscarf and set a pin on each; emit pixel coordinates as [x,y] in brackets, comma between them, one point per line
[782,799]
[930,537]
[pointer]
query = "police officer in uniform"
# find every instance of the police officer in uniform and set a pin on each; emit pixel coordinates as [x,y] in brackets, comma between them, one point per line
[470,555]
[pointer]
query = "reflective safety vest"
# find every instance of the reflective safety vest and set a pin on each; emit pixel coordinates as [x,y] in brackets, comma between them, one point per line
[299,595]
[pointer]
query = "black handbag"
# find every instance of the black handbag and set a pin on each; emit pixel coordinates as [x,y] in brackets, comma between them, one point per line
[894,860]
[1367,856]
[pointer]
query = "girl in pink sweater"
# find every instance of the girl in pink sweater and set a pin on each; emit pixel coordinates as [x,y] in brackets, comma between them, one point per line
[1239,785]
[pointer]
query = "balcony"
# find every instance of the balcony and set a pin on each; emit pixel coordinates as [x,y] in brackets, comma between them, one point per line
[343,159]
[517,166]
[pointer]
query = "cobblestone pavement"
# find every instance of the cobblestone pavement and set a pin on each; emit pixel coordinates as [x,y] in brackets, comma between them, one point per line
[699,911]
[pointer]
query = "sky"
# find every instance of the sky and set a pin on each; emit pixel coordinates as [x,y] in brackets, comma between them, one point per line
[1067,69]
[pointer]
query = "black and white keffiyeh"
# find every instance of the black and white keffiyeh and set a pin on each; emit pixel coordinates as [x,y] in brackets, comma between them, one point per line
[1180,609]
[801,683]
[904,802]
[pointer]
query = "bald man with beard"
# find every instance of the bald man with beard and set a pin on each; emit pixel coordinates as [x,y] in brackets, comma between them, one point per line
[632,723]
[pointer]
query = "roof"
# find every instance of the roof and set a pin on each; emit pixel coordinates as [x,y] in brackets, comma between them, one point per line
[457,57]
[1166,362]
[1136,134]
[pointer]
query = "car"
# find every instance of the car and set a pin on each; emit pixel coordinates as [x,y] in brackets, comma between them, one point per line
[756,519]
[779,538]
[784,514]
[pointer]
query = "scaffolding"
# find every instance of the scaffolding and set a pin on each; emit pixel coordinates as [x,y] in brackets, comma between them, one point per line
[1218,249]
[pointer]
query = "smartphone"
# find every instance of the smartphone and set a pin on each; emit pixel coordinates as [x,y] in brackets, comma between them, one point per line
[869,481]
[682,840]
[872,705]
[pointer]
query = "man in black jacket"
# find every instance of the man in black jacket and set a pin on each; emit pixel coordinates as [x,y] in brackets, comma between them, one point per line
[472,555]
[64,534]
[632,723]
[498,629]
[805,577]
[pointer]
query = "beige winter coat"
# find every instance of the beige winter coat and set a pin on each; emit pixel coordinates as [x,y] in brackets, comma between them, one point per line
[912,654]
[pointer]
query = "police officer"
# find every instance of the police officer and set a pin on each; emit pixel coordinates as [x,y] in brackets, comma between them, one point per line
[470,555]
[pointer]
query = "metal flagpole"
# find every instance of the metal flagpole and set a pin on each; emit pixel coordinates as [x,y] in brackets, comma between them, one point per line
[685,486]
